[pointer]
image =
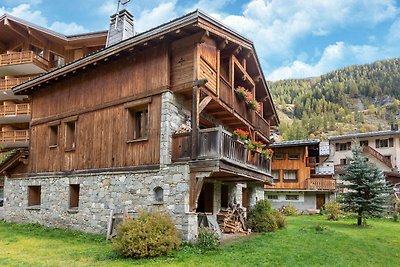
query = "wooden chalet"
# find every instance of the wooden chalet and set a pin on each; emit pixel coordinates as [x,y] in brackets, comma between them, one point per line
[302,175]
[158,108]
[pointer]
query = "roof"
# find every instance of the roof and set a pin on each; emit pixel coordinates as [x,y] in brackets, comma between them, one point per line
[50,32]
[292,143]
[13,159]
[363,135]
[187,20]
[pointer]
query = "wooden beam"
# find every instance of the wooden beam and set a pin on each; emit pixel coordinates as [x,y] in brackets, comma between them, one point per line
[205,35]
[256,78]
[37,36]
[204,103]
[222,44]
[15,29]
[196,184]
[195,120]
[238,50]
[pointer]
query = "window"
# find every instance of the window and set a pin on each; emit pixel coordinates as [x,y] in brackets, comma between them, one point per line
[276,175]
[389,157]
[73,196]
[364,143]
[53,135]
[343,161]
[158,194]
[384,143]
[138,120]
[34,194]
[1,196]
[279,156]
[294,156]
[57,61]
[38,51]
[272,197]
[290,175]
[292,197]
[343,146]
[70,134]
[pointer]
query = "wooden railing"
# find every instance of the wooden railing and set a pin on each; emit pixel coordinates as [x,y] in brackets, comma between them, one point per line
[14,110]
[377,155]
[7,84]
[14,136]
[23,57]
[261,124]
[210,73]
[340,168]
[216,143]
[320,184]
[225,92]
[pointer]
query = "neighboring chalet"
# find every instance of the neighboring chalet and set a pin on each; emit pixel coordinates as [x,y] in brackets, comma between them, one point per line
[144,124]
[302,175]
[381,148]
[26,51]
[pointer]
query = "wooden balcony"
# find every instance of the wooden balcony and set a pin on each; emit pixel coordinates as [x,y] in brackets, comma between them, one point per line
[22,63]
[18,113]
[320,184]
[15,110]
[13,139]
[8,84]
[216,144]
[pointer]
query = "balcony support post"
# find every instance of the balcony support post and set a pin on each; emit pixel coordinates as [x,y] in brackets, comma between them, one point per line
[196,115]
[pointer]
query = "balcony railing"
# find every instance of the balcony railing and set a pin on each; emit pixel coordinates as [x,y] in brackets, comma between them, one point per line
[320,184]
[15,110]
[24,57]
[216,143]
[324,169]
[377,155]
[340,168]
[14,136]
[7,84]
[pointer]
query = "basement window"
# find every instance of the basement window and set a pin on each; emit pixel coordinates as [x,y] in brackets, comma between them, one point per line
[70,134]
[292,197]
[158,194]
[138,123]
[272,197]
[74,196]
[34,195]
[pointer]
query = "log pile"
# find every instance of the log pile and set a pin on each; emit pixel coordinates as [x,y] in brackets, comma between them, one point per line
[231,220]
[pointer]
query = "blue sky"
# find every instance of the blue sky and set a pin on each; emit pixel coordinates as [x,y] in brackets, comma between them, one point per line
[293,38]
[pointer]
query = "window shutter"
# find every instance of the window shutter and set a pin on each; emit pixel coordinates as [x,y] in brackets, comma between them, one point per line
[390,142]
[377,143]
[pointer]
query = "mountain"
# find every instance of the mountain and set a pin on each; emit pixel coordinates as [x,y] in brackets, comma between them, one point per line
[357,98]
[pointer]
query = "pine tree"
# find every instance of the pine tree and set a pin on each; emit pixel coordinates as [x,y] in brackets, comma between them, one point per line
[367,191]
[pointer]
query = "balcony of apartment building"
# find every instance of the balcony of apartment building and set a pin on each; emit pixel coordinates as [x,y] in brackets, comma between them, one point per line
[216,148]
[13,139]
[15,113]
[22,63]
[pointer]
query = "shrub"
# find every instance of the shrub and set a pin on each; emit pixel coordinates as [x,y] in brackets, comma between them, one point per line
[396,210]
[333,210]
[280,219]
[150,235]
[289,210]
[262,217]
[207,239]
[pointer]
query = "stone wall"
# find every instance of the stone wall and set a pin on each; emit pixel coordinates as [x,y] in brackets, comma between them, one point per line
[99,194]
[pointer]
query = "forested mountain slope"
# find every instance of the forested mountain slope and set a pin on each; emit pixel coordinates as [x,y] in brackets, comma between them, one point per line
[357,98]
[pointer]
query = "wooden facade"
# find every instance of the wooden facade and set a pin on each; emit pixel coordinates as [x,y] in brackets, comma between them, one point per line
[295,167]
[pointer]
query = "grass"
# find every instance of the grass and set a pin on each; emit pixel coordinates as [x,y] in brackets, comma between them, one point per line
[307,241]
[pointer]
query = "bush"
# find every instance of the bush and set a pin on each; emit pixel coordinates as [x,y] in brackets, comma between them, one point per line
[280,219]
[333,210]
[396,210]
[289,210]
[207,239]
[150,235]
[262,218]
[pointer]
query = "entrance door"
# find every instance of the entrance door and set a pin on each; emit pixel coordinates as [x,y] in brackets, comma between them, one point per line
[320,201]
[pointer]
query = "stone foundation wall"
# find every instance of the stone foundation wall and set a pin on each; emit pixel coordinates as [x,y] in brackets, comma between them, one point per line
[99,194]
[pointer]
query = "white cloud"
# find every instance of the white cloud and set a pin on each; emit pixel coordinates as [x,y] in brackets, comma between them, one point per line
[25,12]
[150,18]
[108,8]
[394,31]
[67,28]
[334,56]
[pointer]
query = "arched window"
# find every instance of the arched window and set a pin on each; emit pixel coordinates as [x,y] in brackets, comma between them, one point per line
[158,194]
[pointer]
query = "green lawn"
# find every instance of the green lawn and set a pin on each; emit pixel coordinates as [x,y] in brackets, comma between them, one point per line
[301,244]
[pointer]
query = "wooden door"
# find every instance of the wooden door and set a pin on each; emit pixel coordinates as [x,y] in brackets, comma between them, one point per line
[320,201]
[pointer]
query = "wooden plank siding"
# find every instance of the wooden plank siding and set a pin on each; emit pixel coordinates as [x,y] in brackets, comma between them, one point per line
[101,131]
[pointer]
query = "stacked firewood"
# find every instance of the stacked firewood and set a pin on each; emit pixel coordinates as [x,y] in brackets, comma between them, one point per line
[231,220]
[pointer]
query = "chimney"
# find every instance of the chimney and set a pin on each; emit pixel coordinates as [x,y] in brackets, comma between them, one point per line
[394,126]
[121,27]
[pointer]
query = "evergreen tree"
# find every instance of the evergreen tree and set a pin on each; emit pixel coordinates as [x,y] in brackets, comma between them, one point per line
[367,191]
